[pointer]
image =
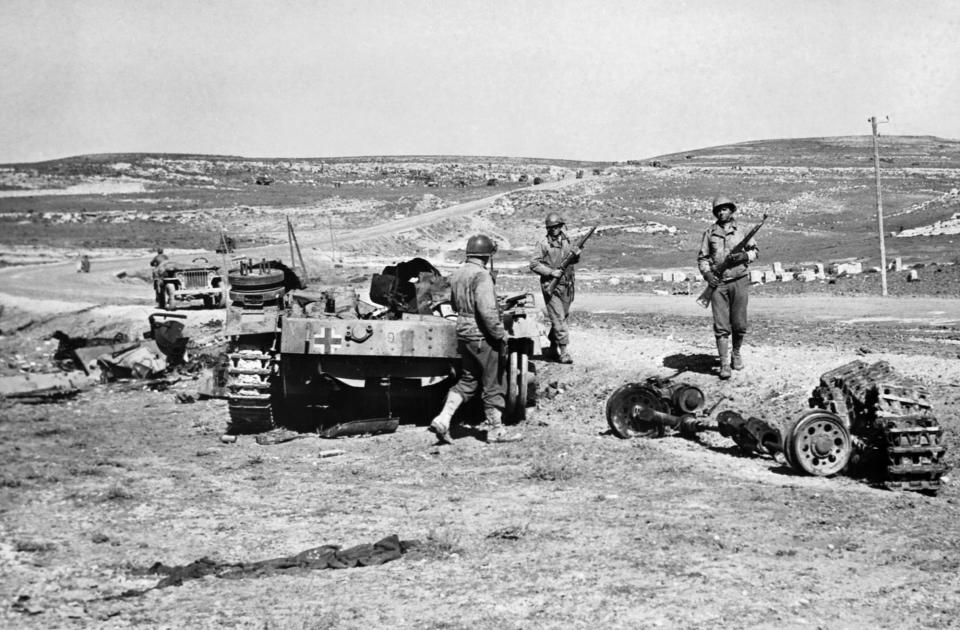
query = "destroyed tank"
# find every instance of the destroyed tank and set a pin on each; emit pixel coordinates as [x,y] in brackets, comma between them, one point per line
[308,359]
[866,420]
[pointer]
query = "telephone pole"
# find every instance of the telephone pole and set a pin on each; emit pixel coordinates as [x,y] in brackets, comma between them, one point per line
[876,167]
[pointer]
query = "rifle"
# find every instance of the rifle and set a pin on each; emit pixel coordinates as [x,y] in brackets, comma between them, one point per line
[704,299]
[568,260]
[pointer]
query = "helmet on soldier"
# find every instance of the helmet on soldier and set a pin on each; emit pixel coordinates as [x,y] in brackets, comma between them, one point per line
[553,220]
[480,245]
[721,201]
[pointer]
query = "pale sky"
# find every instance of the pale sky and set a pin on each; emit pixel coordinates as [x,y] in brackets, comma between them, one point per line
[573,79]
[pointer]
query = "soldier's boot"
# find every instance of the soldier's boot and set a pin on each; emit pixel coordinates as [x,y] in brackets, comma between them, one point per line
[736,361]
[562,355]
[441,424]
[723,348]
[496,432]
[554,353]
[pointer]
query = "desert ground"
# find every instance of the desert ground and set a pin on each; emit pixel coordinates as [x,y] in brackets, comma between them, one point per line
[571,527]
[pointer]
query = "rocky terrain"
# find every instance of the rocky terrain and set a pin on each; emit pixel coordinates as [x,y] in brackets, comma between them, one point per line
[564,529]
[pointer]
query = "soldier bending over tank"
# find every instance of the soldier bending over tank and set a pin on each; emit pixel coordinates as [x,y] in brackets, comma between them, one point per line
[481,339]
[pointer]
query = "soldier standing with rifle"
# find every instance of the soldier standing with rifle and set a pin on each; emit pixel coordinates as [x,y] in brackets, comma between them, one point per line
[723,258]
[555,260]
[481,340]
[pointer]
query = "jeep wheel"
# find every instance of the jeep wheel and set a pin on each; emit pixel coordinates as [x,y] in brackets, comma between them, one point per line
[208,301]
[169,298]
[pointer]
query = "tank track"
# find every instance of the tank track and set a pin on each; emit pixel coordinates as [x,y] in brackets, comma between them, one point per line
[891,417]
[251,381]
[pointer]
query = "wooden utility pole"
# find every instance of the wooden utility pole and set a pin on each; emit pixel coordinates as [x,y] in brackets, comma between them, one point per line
[333,242]
[876,166]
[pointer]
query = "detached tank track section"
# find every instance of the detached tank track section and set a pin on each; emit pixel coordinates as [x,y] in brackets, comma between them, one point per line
[891,416]
[831,399]
[251,380]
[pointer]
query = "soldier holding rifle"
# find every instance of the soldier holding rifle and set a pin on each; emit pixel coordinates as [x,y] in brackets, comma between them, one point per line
[723,258]
[555,260]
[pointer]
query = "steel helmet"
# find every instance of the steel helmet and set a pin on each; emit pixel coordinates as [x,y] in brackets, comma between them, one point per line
[553,219]
[722,200]
[480,245]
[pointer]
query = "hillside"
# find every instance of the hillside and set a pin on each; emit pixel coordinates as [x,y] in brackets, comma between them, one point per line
[818,192]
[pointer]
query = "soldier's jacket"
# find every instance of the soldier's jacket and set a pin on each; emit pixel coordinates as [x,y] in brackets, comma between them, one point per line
[474,297]
[717,243]
[550,253]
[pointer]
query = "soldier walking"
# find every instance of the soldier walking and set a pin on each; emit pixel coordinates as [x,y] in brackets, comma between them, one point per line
[481,339]
[732,287]
[550,253]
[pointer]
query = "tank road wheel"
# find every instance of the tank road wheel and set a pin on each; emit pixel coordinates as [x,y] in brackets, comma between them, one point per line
[818,444]
[518,386]
[532,393]
[251,380]
[511,391]
[169,297]
[621,416]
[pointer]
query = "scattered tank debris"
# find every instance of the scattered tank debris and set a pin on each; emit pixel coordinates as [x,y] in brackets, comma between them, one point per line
[649,408]
[894,431]
[863,419]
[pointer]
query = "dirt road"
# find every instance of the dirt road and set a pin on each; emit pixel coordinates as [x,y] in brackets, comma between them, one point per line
[59,281]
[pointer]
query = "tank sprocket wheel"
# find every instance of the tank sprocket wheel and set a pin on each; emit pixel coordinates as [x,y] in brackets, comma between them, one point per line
[818,443]
[620,411]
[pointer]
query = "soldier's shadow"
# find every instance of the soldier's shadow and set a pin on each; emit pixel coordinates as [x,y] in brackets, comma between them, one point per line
[699,362]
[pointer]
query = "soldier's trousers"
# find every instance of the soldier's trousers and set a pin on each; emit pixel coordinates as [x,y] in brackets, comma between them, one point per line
[729,305]
[558,309]
[480,363]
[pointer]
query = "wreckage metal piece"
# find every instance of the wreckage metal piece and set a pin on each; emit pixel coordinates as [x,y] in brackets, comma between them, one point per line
[647,409]
[687,398]
[623,411]
[369,426]
[892,423]
[818,443]
[750,434]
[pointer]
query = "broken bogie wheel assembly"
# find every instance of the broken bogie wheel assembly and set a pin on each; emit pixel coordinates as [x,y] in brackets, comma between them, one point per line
[818,443]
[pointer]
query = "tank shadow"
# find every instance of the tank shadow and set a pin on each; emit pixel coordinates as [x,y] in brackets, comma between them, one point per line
[700,363]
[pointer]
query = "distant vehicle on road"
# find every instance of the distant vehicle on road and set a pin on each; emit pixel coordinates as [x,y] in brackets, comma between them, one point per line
[177,281]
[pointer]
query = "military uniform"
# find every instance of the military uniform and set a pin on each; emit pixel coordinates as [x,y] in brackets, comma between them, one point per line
[481,338]
[480,333]
[732,291]
[550,253]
